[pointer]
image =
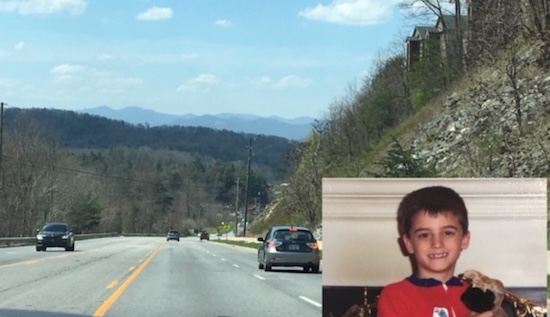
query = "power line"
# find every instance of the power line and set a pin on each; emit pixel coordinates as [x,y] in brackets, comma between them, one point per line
[95,174]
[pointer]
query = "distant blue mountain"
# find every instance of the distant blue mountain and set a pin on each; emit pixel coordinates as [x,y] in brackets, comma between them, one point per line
[295,129]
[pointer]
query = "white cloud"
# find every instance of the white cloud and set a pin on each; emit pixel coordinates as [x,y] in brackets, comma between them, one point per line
[205,79]
[105,57]
[290,81]
[353,12]
[19,46]
[8,83]
[224,23]
[189,56]
[65,69]
[68,78]
[67,75]
[156,13]
[261,81]
[25,7]
[201,80]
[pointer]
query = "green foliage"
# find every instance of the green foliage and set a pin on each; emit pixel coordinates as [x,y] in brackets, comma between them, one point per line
[428,76]
[400,162]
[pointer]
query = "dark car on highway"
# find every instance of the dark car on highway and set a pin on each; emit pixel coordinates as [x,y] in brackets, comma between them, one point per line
[59,235]
[173,235]
[204,235]
[289,246]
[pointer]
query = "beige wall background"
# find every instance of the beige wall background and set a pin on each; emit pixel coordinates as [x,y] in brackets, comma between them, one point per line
[507,223]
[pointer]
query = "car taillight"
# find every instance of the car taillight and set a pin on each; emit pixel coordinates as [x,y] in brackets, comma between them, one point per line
[274,243]
[313,245]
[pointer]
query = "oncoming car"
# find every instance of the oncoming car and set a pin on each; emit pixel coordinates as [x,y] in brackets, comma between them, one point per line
[173,235]
[58,235]
[289,246]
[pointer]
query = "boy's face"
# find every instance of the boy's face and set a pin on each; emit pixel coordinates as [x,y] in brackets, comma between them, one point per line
[436,243]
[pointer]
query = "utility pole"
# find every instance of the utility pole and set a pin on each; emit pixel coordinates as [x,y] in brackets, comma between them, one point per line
[237,209]
[246,186]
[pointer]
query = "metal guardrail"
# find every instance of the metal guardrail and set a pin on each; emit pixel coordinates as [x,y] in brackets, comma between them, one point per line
[20,241]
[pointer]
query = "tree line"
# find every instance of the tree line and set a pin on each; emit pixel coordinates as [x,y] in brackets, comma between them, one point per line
[84,174]
[78,130]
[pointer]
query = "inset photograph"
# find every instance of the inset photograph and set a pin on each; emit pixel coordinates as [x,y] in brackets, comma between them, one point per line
[445,247]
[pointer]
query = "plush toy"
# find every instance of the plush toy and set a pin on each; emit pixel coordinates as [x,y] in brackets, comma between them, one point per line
[484,294]
[354,311]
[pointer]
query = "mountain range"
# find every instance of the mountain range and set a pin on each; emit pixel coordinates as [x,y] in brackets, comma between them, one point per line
[294,129]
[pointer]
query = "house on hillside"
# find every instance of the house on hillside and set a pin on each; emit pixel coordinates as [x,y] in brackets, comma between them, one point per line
[440,39]
[417,42]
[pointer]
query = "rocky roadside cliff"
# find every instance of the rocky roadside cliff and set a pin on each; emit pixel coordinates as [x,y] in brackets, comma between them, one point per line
[475,131]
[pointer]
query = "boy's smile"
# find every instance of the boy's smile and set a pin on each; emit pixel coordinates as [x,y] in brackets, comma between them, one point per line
[436,242]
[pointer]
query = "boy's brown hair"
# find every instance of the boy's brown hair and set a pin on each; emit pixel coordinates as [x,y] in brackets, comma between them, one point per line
[433,200]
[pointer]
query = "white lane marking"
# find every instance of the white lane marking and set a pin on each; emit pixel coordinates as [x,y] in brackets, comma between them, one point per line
[223,259]
[213,254]
[260,277]
[235,265]
[312,302]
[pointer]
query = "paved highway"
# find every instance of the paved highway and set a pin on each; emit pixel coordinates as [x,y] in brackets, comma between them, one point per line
[147,276]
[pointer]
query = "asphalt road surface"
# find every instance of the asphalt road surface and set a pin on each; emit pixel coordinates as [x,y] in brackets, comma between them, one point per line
[148,276]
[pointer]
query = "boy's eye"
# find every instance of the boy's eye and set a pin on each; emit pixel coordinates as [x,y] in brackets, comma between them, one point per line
[423,235]
[449,233]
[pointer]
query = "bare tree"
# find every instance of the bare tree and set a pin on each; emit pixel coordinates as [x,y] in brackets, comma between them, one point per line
[27,176]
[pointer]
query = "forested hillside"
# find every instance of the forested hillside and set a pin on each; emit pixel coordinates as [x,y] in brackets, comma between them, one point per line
[102,175]
[84,131]
[469,98]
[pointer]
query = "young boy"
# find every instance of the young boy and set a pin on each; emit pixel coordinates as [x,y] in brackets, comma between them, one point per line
[433,225]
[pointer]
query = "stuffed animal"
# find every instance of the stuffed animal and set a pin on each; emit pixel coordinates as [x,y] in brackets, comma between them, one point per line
[354,311]
[484,294]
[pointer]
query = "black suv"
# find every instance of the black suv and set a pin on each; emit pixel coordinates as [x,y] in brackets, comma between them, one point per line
[173,235]
[58,235]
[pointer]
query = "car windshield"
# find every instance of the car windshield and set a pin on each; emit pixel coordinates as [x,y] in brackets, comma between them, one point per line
[55,228]
[298,235]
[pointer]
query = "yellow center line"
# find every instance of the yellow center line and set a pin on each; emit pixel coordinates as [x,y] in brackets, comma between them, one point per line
[100,312]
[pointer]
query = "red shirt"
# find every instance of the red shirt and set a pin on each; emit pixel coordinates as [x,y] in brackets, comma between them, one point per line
[414,296]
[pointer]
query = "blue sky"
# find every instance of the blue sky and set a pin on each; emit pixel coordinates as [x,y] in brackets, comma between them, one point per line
[287,58]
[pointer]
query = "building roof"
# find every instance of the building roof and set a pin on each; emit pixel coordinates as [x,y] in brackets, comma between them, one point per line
[450,21]
[421,32]
[412,38]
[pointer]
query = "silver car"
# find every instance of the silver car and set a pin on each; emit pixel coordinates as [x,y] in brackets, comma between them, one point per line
[289,246]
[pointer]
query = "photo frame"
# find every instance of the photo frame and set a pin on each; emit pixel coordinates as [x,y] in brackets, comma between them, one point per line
[362,254]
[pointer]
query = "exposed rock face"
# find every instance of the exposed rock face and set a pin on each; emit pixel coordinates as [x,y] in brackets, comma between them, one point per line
[479,133]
